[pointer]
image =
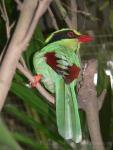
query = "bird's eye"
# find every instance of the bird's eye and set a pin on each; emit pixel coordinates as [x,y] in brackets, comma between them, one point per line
[70,34]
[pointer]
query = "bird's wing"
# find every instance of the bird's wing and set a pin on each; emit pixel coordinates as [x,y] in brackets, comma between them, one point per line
[62,66]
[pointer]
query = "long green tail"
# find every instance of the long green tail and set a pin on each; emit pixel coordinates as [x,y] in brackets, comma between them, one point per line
[68,120]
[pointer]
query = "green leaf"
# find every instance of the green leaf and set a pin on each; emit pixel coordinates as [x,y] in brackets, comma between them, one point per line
[29,97]
[29,142]
[105,114]
[111,18]
[29,121]
[38,35]
[6,139]
[104,5]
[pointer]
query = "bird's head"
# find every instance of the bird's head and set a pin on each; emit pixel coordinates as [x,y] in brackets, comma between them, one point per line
[68,37]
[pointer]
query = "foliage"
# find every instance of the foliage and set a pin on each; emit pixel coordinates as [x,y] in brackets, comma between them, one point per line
[105,113]
[35,120]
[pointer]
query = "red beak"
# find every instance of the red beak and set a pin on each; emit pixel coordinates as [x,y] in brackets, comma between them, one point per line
[85,38]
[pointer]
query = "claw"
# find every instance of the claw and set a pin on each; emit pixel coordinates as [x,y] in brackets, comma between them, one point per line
[37,78]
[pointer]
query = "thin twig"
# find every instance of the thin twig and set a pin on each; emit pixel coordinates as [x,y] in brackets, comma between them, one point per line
[3,51]
[53,18]
[7,24]
[73,7]
[5,18]
[85,13]
[29,17]
[23,62]
[63,13]
[40,88]
[19,4]
[42,7]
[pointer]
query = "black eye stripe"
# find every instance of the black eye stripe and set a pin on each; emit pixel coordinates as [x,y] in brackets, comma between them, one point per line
[68,34]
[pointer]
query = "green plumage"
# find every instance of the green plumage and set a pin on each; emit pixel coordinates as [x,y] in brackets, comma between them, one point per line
[66,52]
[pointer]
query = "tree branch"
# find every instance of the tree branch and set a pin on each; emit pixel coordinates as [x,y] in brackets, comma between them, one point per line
[53,18]
[88,101]
[6,19]
[73,7]
[64,14]
[30,15]
[40,88]
[19,4]
[9,27]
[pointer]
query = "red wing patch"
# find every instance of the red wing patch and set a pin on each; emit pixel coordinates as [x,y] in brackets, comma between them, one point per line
[69,74]
[51,60]
[73,74]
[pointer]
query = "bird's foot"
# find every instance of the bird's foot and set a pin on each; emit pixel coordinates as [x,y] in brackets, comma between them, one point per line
[37,79]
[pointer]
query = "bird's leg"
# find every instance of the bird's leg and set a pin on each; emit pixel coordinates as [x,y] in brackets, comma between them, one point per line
[37,79]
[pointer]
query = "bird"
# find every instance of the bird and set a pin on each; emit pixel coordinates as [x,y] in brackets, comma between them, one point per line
[57,67]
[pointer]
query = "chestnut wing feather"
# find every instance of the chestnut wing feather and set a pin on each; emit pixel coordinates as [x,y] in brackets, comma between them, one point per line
[69,73]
